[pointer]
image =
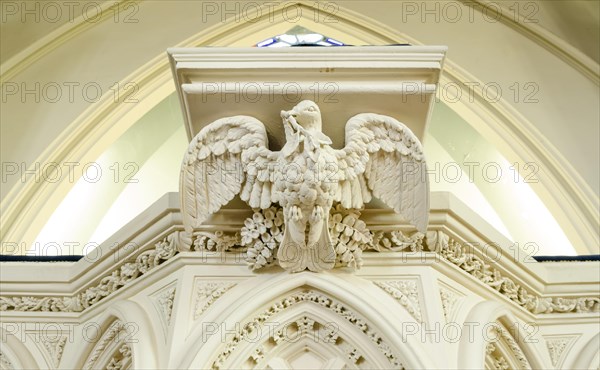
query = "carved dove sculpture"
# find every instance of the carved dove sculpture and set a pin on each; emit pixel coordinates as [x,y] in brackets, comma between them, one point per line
[382,158]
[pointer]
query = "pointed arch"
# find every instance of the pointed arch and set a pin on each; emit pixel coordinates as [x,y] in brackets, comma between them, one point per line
[566,194]
[588,356]
[346,299]
[122,331]
[16,354]
[496,325]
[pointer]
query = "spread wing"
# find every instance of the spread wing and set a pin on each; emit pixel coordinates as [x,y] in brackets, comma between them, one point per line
[383,158]
[214,167]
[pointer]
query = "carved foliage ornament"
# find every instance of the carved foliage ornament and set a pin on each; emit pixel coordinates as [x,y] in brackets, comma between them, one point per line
[453,251]
[249,329]
[502,349]
[128,271]
[230,156]
[177,241]
[114,343]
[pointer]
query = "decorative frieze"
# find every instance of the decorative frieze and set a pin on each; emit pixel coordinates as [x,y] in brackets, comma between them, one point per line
[453,252]
[351,237]
[109,283]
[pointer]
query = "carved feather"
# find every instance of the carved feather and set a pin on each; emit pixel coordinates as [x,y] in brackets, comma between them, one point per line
[393,168]
[212,171]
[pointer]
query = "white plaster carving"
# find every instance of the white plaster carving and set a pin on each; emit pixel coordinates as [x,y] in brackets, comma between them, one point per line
[494,351]
[215,242]
[304,296]
[452,251]
[313,335]
[116,334]
[502,349]
[305,177]
[449,300]
[207,292]
[558,347]
[5,363]
[54,347]
[165,302]
[396,241]
[121,360]
[127,272]
[406,292]
[263,233]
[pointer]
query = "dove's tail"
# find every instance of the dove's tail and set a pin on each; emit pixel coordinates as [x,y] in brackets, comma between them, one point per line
[295,255]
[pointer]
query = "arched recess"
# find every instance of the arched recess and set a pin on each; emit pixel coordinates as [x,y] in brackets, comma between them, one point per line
[121,335]
[588,357]
[492,334]
[568,197]
[14,354]
[362,314]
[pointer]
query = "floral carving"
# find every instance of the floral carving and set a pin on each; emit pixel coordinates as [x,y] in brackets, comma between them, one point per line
[207,293]
[397,241]
[453,252]
[406,292]
[215,242]
[127,272]
[261,234]
[304,296]
[496,358]
[557,346]
[165,301]
[54,348]
[48,304]
[350,236]
[449,299]
[116,332]
[120,360]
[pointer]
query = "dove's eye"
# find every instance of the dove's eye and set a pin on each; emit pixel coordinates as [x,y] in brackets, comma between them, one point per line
[311,109]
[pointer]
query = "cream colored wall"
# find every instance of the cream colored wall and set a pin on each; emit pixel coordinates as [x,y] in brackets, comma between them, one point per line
[109,51]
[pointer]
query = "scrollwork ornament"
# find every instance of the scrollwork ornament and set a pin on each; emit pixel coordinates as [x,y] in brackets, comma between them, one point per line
[455,253]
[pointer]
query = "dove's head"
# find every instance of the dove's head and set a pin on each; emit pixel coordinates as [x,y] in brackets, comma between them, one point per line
[308,115]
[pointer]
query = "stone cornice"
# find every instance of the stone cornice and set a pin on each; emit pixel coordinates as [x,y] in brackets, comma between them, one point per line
[507,278]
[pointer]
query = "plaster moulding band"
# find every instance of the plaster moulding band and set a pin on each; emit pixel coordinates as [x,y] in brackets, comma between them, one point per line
[448,248]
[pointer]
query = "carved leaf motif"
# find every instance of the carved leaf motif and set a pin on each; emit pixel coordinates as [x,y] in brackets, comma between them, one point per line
[54,347]
[116,332]
[557,346]
[263,232]
[207,293]
[304,296]
[165,302]
[406,292]
[449,299]
[453,252]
